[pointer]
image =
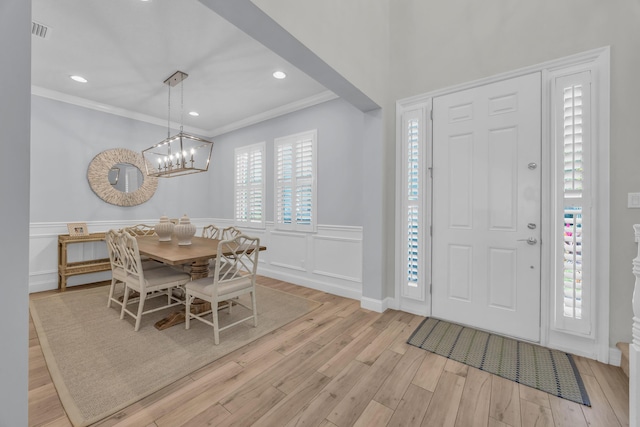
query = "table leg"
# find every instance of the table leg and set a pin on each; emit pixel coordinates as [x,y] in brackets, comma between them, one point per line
[199,269]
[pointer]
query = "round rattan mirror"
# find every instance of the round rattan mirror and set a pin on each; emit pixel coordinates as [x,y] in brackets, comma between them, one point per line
[100,176]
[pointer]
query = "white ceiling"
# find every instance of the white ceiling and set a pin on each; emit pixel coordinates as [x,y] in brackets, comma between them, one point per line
[127,48]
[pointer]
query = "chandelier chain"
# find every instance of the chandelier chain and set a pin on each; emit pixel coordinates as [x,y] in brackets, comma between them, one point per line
[181,104]
[169,115]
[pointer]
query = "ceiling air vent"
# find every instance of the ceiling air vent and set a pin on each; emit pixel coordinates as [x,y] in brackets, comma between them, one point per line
[39,30]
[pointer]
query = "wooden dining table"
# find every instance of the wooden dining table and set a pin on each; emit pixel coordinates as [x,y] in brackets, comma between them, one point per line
[196,255]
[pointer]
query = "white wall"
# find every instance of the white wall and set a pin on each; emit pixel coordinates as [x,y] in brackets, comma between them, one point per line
[15,46]
[351,36]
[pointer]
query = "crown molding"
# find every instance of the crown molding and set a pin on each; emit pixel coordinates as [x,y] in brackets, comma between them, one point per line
[270,114]
[276,112]
[92,105]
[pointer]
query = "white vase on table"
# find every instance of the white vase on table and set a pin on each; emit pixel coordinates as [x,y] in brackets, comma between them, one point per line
[164,229]
[184,231]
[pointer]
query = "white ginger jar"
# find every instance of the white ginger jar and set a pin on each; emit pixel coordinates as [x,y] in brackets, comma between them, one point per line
[184,231]
[164,229]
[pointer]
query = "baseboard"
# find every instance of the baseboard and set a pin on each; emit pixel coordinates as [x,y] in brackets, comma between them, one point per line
[379,306]
[330,288]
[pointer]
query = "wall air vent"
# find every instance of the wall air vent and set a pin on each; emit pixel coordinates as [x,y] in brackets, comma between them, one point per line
[39,30]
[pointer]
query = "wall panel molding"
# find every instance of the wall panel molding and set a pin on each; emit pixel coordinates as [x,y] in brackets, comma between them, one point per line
[329,260]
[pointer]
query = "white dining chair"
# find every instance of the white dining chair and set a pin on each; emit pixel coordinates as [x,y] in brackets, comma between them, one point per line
[229,233]
[156,282]
[211,231]
[234,275]
[141,230]
[118,273]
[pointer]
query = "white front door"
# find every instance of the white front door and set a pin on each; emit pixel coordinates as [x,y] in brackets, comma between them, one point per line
[486,207]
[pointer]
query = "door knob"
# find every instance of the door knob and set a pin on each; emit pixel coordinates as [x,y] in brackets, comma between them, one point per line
[530,240]
[532,165]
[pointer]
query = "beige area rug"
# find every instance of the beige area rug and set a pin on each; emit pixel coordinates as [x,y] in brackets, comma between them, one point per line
[99,365]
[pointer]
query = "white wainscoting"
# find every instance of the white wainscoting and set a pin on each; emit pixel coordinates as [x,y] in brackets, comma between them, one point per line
[329,260]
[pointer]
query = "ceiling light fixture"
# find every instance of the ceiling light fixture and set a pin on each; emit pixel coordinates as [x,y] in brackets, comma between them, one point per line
[78,79]
[194,113]
[279,75]
[181,154]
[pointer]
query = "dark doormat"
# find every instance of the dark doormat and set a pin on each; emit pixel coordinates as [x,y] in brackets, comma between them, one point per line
[551,371]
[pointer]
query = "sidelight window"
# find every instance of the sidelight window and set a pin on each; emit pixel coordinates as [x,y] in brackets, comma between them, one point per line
[572,123]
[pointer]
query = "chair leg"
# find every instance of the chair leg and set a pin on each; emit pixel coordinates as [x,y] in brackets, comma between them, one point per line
[125,301]
[111,289]
[255,308]
[187,312]
[143,296]
[214,314]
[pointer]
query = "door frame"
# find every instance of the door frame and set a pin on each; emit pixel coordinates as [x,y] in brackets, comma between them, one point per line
[598,347]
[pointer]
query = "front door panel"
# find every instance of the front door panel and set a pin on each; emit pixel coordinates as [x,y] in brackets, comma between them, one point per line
[486,201]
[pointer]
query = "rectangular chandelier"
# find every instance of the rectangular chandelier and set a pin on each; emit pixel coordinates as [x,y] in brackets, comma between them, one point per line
[180,154]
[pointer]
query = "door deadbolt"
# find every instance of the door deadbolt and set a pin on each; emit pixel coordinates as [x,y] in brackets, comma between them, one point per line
[531,226]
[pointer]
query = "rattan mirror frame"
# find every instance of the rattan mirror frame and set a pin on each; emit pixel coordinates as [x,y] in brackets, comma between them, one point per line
[98,177]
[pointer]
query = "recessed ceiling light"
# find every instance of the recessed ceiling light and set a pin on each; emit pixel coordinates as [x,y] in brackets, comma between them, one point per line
[78,79]
[279,75]
[194,113]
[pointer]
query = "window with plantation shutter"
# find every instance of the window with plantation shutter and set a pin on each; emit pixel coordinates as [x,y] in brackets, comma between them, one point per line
[414,239]
[295,182]
[572,123]
[250,185]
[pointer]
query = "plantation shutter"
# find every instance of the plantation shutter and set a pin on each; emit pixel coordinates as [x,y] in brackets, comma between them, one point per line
[414,263]
[295,165]
[250,185]
[572,102]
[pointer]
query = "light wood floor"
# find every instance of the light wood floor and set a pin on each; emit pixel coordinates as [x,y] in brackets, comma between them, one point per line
[344,366]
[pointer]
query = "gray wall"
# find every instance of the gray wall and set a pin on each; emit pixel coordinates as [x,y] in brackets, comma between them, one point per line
[340,161]
[15,46]
[64,140]
[66,137]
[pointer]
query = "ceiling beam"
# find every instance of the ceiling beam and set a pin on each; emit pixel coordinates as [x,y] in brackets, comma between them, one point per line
[249,18]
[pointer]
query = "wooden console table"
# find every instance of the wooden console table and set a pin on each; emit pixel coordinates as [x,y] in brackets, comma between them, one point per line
[66,269]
